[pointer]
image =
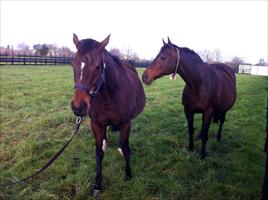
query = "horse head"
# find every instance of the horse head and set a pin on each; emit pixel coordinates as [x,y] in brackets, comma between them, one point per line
[88,71]
[166,62]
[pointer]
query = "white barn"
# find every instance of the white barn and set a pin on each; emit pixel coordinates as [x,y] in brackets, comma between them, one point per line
[253,70]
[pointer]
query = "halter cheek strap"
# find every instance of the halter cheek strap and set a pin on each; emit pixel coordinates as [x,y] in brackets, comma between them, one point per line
[173,76]
[102,80]
[92,92]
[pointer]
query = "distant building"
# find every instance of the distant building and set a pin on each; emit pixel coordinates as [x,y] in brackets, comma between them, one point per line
[253,70]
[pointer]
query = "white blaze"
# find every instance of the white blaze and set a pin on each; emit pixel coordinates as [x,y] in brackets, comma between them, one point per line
[81,71]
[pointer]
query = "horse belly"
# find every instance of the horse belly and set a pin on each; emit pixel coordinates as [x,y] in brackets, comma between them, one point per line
[227,97]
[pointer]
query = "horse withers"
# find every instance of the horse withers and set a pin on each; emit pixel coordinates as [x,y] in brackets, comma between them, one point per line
[210,88]
[110,92]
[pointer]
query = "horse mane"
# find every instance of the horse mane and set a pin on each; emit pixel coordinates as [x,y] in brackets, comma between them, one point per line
[116,59]
[189,51]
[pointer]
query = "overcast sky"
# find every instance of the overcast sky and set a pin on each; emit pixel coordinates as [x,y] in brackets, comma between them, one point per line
[236,28]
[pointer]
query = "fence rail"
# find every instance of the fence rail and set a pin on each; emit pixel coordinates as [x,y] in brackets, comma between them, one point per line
[50,60]
[34,60]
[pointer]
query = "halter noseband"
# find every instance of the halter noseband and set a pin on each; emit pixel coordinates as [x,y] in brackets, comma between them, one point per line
[93,92]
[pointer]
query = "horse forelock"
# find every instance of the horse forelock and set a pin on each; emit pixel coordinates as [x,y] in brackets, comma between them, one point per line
[86,45]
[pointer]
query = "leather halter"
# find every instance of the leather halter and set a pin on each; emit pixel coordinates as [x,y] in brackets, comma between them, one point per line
[93,92]
[177,64]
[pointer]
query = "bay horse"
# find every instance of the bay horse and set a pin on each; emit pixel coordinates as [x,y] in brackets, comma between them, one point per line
[110,92]
[210,88]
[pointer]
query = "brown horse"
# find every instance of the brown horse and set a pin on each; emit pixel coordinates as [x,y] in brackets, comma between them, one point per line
[110,92]
[210,88]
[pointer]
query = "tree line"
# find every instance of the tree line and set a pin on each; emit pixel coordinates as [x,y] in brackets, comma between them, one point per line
[208,56]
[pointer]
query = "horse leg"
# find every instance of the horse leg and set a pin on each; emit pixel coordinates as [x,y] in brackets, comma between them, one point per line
[222,119]
[206,120]
[124,145]
[100,135]
[190,119]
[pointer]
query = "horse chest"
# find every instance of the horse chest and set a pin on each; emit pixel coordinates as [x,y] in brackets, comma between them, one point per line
[107,114]
[195,100]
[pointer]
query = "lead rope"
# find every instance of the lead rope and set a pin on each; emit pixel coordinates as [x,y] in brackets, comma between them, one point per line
[54,158]
[173,76]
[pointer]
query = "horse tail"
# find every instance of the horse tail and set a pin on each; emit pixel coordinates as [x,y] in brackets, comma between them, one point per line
[216,117]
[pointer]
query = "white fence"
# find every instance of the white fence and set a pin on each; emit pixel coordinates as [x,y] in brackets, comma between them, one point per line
[253,69]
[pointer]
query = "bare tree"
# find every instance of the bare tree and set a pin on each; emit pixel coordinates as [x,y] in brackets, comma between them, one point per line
[206,55]
[217,56]
[64,51]
[129,54]
[24,48]
[117,52]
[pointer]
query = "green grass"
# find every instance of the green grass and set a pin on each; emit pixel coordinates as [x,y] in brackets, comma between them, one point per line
[36,121]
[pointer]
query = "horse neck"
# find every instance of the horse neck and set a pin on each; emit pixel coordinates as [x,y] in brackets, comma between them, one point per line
[112,75]
[190,70]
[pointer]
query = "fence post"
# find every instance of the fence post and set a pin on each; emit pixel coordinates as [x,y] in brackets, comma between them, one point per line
[12,58]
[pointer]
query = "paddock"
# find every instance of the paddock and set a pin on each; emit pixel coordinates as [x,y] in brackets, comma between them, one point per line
[36,120]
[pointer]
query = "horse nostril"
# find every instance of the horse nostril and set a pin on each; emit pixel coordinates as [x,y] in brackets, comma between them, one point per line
[81,110]
[83,105]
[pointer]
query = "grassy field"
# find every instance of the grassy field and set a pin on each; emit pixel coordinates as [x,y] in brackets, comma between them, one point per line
[36,121]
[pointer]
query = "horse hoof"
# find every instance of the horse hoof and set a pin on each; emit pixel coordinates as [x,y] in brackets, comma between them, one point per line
[96,192]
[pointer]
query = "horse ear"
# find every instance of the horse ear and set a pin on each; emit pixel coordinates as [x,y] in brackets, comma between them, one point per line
[169,40]
[164,43]
[104,42]
[75,40]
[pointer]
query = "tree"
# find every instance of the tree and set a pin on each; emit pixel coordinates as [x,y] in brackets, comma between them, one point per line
[211,56]
[217,56]
[41,49]
[129,54]
[116,52]
[24,48]
[206,55]
[64,51]
[261,62]
[235,62]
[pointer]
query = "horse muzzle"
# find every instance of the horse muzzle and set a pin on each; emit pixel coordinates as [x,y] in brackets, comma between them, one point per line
[81,110]
[146,80]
